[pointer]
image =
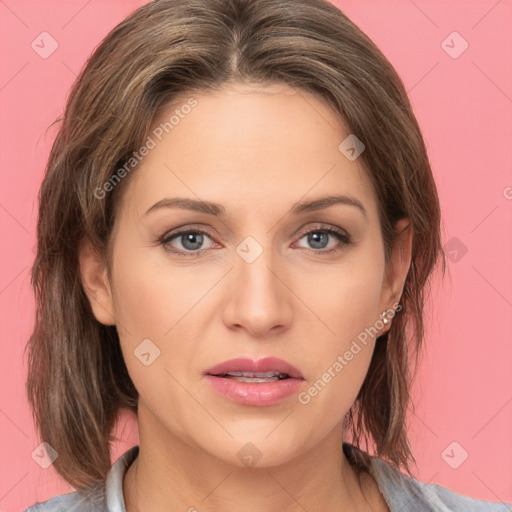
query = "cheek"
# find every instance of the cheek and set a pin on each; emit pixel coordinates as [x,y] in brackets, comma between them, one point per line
[156,304]
[346,300]
[346,297]
[150,298]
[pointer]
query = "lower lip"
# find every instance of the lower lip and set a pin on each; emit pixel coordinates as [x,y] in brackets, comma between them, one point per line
[255,393]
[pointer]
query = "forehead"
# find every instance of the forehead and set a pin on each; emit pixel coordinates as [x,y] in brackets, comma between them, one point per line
[248,147]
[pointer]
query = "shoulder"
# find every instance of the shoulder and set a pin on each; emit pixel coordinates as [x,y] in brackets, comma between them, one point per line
[101,497]
[401,492]
[93,500]
[460,502]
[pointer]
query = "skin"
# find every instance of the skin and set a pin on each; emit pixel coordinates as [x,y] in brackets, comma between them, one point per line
[257,151]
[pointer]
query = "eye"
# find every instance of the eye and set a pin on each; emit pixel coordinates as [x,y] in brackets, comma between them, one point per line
[318,238]
[190,240]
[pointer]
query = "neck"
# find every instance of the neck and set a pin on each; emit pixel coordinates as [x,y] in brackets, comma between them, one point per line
[170,474]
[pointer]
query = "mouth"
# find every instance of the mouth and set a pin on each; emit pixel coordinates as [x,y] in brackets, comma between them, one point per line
[259,383]
[249,383]
[254,376]
[267,369]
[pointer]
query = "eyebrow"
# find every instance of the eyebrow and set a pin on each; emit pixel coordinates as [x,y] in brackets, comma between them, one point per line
[217,209]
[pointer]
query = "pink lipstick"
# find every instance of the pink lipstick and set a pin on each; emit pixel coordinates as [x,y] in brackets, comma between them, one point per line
[261,382]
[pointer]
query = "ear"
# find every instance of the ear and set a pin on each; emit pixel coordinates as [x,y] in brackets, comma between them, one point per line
[93,274]
[396,273]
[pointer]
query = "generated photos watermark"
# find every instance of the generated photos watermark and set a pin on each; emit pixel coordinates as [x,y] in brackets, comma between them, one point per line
[152,140]
[343,360]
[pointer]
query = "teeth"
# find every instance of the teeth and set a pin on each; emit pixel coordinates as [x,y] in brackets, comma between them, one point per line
[253,379]
[260,375]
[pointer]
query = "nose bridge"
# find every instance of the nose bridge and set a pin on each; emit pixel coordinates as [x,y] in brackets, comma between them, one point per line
[258,299]
[253,268]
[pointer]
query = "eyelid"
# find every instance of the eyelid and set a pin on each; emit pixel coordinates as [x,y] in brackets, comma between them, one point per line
[166,238]
[321,226]
[344,238]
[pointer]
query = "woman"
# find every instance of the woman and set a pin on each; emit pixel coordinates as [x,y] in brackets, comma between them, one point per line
[237,228]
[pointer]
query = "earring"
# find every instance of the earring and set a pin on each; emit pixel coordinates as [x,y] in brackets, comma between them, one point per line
[383,315]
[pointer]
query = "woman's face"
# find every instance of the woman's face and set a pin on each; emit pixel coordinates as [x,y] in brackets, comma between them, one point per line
[248,282]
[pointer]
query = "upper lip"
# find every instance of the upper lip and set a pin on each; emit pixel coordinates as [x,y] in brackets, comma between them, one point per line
[265,364]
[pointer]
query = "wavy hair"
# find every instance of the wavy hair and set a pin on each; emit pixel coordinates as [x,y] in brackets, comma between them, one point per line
[167,49]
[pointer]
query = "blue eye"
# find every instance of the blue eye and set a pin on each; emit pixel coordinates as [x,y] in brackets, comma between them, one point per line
[319,238]
[192,240]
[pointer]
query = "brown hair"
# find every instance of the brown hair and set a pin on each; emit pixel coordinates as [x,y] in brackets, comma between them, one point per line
[78,382]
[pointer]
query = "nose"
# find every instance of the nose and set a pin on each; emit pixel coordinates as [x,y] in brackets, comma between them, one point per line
[259,297]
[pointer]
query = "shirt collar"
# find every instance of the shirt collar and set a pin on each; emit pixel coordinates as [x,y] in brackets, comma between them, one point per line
[114,482]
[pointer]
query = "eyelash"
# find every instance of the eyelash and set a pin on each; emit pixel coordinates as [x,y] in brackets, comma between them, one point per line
[344,238]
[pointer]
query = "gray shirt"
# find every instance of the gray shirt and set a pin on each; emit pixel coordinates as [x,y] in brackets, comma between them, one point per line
[402,493]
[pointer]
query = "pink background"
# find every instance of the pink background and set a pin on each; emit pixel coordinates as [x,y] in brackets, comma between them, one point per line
[464,105]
